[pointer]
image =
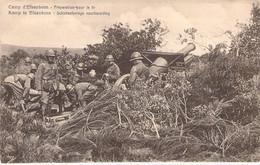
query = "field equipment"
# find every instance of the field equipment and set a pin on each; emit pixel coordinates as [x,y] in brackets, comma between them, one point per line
[57,118]
[160,61]
[165,60]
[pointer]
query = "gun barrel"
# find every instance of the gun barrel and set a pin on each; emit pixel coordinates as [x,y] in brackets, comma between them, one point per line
[187,49]
[160,65]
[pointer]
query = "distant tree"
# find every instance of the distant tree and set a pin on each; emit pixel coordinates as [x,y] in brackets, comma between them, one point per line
[17,56]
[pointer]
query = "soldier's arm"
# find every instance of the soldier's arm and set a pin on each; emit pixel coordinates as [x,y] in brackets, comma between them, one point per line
[57,79]
[79,94]
[75,78]
[27,86]
[133,75]
[115,73]
[38,77]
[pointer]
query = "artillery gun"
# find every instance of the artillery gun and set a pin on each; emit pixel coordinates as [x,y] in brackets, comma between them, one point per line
[161,62]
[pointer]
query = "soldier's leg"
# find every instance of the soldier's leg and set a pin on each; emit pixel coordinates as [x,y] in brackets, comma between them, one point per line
[72,98]
[45,102]
[60,101]
[22,105]
[89,95]
[61,97]
[80,97]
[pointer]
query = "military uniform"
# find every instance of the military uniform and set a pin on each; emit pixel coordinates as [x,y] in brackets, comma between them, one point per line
[77,77]
[46,80]
[19,85]
[113,73]
[85,91]
[138,71]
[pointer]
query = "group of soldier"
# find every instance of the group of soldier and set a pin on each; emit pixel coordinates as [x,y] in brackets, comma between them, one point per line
[38,88]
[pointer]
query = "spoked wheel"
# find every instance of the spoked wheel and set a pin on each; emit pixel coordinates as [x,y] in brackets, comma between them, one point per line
[122,81]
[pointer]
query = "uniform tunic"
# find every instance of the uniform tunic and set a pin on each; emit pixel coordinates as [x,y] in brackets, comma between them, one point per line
[18,83]
[113,72]
[138,71]
[85,90]
[46,73]
[46,80]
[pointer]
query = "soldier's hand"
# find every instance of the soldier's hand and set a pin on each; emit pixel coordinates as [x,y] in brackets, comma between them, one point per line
[39,92]
[57,93]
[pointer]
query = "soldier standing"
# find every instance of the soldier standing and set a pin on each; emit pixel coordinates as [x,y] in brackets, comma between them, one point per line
[113,71]
[139,70]
[46,80]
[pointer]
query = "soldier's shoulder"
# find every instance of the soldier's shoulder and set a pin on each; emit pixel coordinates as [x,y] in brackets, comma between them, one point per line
[116,65]
[134,68]
[42,64]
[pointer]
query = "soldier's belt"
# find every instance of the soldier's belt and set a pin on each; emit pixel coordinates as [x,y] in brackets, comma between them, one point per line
[48,81]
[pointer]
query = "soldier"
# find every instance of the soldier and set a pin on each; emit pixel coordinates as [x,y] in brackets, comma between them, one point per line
[33,68]
[80,68]
[81,92]
[84,91]
[139,70]
[71,97]
[78,75]
[47,80]
[19,85]
[24,67]
[113,71]
[66,74]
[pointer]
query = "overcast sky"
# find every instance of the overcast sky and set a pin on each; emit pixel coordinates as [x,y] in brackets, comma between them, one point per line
[211,18]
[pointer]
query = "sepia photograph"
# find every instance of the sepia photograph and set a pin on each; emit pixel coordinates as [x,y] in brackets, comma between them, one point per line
[87,81]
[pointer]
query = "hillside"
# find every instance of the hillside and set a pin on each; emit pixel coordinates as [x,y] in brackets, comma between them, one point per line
[6,49]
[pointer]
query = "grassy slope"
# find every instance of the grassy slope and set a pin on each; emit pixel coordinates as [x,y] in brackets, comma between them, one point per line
[6,49]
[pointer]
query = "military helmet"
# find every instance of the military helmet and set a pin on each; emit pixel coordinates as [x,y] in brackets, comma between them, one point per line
[31,75]
[136,56]
[33,66]
[69,88]
[80,66]
[109,58]
[50,53]
[27,60]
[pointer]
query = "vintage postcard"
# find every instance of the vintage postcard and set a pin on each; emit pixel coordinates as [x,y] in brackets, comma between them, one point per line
[129,81]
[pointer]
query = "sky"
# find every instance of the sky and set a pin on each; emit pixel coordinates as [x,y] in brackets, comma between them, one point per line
[211,18]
